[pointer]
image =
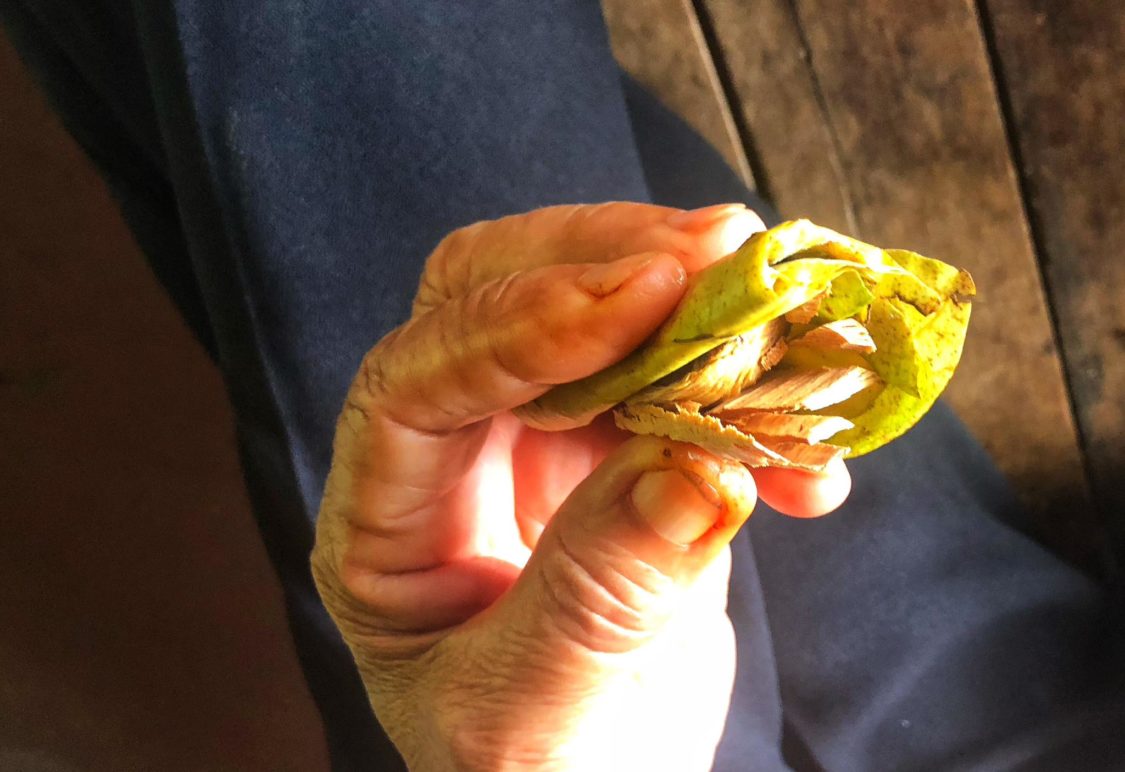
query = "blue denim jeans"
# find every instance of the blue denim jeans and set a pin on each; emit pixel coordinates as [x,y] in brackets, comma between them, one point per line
[287,166]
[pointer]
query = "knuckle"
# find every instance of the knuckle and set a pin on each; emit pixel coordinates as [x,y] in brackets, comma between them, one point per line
[372,378]
[448,268]
[386,379]
[394,384]
[456,343]
[339,592]
[581,219]
[351,616]
[360,617]
[535,326]
[591,221]
[522,328]
[605,600]
[369,388]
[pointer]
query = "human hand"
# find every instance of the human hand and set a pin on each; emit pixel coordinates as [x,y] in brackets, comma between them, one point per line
[519,599]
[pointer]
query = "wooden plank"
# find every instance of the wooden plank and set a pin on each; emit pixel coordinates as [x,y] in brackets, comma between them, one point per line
[1061,62]
[776,96]
[660,43]
[907,96]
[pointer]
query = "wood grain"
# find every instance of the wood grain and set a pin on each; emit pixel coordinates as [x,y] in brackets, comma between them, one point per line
[1061,62]
[911,140]
[910,97]
[660,43]
[776,96]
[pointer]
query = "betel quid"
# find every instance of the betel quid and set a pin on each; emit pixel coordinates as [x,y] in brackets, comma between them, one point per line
[802,347]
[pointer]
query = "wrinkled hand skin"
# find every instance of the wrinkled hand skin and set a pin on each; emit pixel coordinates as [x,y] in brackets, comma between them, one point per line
[516,599]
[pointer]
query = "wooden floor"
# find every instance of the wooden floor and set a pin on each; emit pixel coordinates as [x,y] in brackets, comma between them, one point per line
[141,626]
[988,134]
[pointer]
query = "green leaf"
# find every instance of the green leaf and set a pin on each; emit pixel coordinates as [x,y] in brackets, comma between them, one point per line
[934,343]
[847,296]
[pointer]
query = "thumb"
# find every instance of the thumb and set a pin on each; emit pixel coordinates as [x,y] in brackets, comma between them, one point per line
[627,547]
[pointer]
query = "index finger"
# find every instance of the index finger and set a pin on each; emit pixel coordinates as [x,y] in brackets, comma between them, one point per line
[414,421]
[580,233]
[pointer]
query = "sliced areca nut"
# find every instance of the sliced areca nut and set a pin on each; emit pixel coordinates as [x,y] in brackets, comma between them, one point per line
[841,335]
[785,426]
[705,431]
[790,390]
[802,455]
[805,313]
[728,369]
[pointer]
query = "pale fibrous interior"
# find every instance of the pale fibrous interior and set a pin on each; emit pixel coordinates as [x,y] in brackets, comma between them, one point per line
[764,398]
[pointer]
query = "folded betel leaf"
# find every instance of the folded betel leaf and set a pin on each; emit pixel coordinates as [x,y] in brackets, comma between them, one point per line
[801,347]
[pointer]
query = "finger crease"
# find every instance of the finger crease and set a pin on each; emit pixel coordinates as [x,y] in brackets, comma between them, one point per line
[352,403]
[618,612]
